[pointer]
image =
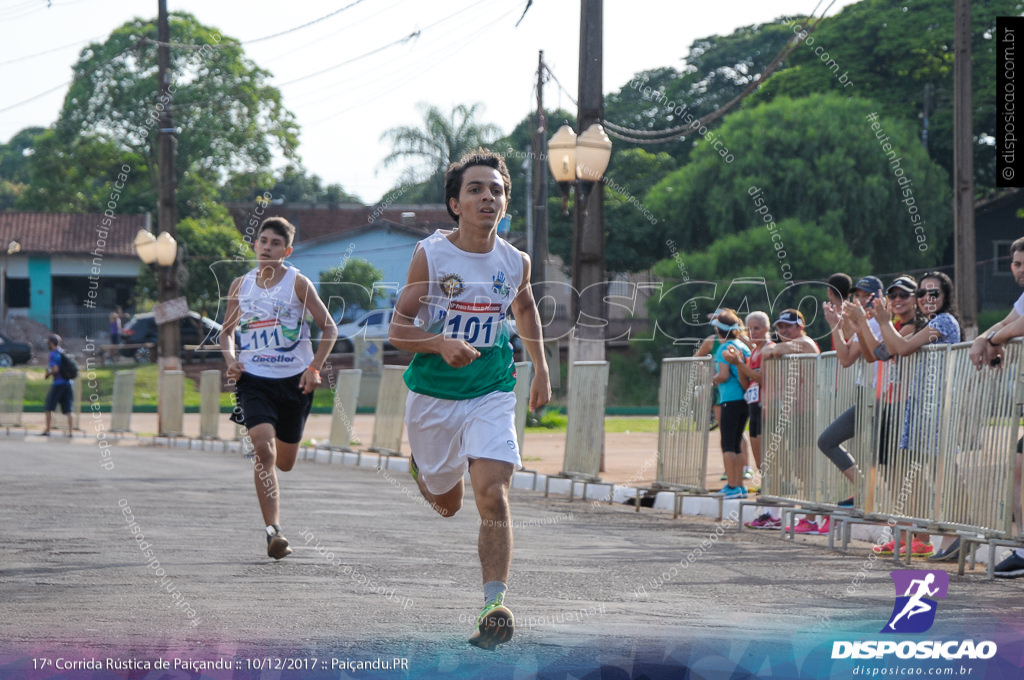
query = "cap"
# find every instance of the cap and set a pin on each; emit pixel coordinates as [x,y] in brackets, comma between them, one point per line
[714,314]
[869,284]
[903,283]
[790,316]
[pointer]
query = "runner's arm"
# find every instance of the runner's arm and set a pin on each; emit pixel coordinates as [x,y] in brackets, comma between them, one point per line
[227,332]
[405,335]
[524,307]
[312,303]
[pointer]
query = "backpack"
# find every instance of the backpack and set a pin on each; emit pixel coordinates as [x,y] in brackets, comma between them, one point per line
[68,367]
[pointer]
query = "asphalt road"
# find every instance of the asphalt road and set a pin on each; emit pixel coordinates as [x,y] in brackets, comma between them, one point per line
[159,556]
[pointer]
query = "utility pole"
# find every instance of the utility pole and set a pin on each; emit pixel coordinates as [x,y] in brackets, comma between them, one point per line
[965,269]
[588,235]
[169,335]
[539,191]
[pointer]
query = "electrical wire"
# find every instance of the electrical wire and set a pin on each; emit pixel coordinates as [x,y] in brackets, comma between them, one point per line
[256,40]
[51,50]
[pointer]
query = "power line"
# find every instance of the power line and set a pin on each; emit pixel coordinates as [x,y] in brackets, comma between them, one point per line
[414,34]
[54,49]
[256,40]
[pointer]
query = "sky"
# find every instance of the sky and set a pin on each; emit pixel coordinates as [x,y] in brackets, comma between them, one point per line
[468,51]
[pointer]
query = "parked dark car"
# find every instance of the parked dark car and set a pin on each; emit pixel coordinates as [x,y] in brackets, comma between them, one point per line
[12,352]
[196,330]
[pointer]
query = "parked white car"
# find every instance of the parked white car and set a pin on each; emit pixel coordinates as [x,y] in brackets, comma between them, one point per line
[372,325]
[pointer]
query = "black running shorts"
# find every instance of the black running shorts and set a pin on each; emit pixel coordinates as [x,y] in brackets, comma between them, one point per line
[734,421]
[277,401]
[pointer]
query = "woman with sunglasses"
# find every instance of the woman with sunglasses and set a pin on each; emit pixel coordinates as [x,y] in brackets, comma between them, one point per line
[934,301]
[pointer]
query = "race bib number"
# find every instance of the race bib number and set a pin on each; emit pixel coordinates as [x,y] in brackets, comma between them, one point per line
[259,335]
[753,393]
[478,323]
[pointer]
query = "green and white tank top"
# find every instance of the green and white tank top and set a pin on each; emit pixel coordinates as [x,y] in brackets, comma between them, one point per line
[273,338]
[467,298]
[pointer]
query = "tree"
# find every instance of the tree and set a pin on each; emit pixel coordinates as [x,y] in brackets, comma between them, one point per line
[348,287]
[230,120]
[291,184]
[15,155]
[890,52]
[214,255]
[717,69]
[441,140]
[77,176]
[747,272]
[817,160]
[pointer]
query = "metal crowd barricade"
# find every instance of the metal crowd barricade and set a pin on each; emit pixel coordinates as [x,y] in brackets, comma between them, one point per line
[389,419]
[684,410]
[12,397]
[975,484]
[789,436]
[934,439]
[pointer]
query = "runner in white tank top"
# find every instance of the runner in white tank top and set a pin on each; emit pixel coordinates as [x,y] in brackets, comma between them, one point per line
[460,413]
[274,370]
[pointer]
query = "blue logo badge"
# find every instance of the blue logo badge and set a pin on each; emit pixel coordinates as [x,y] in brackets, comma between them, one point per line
[914,609]
[500,285]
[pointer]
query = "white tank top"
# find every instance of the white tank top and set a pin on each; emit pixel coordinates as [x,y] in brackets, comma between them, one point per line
[469,293]
[273,338]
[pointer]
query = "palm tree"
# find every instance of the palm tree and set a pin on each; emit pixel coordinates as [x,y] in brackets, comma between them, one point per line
[441,140]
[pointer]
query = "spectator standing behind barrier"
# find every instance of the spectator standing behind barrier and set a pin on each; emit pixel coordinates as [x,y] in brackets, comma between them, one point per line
[730,396]
[61,390]
[934,301]
[115,325]
[903,318]
[793,339]
[987,350]
[757,327]
[842,428]
[906,320]
[708,348]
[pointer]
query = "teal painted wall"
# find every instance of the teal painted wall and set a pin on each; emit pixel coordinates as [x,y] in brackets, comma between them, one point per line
[40,285]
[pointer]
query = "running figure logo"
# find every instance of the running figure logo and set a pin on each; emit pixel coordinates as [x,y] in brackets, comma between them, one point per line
[914,610]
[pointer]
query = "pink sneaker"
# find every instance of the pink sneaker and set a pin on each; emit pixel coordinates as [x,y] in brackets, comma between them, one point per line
[805,527]
[824,528]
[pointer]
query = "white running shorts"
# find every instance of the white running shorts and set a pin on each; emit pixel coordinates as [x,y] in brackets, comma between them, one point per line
[446,434]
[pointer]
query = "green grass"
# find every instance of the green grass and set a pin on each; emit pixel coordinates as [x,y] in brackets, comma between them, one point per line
[99,380]
[558,422]
[626,424]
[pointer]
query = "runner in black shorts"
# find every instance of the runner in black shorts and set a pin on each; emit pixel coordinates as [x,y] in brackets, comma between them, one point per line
[275,370]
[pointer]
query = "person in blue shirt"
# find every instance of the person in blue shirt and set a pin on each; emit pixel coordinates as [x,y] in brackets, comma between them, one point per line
[60,391]
[733,337]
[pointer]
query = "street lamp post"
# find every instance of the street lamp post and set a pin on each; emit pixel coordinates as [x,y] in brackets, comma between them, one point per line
[580,162]
[160,252]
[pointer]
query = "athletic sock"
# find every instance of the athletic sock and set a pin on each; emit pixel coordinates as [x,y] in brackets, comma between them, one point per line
[492,589]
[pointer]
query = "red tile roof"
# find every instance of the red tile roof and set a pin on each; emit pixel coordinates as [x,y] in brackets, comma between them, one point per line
[70,234]
[316,220]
